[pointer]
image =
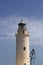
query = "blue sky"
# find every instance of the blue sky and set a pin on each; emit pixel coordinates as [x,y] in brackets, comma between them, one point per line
[21,7]
[11,12]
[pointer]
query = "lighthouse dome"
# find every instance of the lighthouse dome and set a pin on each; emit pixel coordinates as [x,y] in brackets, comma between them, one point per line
[22,22]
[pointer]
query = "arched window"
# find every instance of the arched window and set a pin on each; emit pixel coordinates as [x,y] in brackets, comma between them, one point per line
[24,63]
[24,48]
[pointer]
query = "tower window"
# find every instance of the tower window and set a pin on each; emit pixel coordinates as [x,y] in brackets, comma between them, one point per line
[24,63]
[23,31]
[24,48]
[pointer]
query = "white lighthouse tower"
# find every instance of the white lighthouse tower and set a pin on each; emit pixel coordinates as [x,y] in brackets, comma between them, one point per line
[22,45]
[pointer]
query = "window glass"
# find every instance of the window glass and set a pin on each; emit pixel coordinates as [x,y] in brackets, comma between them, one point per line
[24,63]
[24,48]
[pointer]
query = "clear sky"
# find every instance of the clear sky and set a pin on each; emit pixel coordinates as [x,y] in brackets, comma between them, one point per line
[11,12]
[22,7]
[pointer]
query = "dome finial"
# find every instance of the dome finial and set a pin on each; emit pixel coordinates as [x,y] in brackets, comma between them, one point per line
[21,20]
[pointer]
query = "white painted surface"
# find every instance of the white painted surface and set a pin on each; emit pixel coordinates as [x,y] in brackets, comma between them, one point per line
[22,56]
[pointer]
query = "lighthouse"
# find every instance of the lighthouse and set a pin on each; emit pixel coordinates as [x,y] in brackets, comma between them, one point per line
[22,45]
